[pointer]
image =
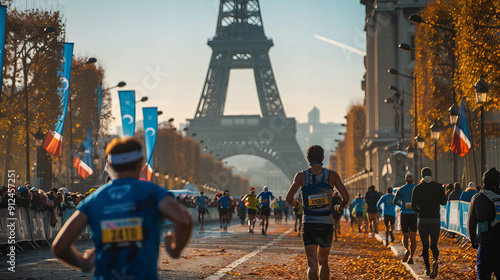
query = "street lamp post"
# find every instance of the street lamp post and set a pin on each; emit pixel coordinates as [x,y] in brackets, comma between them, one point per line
[482,88]
[166,181]
[46,30]
[435,131]
[157,174]
[420,147]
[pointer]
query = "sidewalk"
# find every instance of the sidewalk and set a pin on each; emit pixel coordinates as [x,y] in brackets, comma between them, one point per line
[416,269]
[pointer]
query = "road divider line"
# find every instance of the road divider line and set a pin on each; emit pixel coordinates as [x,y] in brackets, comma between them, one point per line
[219,274]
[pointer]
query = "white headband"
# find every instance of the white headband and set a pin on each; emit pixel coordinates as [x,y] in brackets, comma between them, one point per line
[124,158]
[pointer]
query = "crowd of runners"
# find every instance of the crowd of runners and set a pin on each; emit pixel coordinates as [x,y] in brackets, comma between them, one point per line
[126,215]
[249,208]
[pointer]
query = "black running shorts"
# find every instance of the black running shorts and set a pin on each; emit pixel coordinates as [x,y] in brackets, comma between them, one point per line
[389,220]
[224,211]
[317,234]
[408,222]
[265,211]
[251,211]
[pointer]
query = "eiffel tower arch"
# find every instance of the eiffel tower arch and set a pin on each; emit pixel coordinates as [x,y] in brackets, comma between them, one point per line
[240,43]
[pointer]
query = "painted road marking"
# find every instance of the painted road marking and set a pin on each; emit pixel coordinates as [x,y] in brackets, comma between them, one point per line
[219,274]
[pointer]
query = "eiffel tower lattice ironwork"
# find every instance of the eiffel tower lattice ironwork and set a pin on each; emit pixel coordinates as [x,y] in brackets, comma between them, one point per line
[240,43]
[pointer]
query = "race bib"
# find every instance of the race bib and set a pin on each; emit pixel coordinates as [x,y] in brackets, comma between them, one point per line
[318,201]
[408,205]
[121,230]
[264,200]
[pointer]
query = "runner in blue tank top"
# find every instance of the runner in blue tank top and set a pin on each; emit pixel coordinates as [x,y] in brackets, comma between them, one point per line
[266,197]
[389,212]
[408,217]
[125,216]
[224,203]
[200,201]
[317,185]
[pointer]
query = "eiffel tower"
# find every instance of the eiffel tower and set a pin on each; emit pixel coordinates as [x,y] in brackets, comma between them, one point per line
[240,43]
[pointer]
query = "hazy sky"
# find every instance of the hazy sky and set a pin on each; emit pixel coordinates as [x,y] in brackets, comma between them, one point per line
[159,48]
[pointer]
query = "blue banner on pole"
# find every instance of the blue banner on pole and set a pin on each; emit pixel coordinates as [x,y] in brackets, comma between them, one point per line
[3,19]
[84,165]
[53,140]
[127,108]
[150,115]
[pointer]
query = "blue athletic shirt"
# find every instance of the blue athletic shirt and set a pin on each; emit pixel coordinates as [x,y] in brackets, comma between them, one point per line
[317,197]
[200,200]
[125,223]
[281,205]
[265,198]
[224,201]
[358,204]
[389,206]
[467,196]
[403,199]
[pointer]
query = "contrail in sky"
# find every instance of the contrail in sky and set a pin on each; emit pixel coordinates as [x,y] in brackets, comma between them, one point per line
[340,45]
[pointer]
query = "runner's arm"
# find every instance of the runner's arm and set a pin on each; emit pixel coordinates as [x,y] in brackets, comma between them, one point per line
[472,224]
[337,182]
[298,181]
[397,198]
[415,199]
[380,202]
[63,248]
[175,242]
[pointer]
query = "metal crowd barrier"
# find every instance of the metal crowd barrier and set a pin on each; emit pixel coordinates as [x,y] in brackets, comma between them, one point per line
[455,216]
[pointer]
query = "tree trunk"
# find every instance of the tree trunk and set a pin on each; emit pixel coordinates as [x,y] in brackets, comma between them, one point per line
[8,147]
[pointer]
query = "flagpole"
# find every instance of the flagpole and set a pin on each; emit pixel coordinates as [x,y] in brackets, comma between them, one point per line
[472,142]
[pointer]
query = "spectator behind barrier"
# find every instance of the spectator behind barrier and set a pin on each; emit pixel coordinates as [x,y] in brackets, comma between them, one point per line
[457,191]
[469,192]
[448,188]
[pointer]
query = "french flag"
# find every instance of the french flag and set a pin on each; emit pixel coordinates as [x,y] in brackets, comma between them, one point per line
[53,143]
[84,170]
[84,165]
[147,171]
[460,143]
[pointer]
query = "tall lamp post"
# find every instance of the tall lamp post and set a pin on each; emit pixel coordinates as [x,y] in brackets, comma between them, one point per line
[166,182]
[157,174]
[482,88]
[46,30]
[420,147]
[435,131]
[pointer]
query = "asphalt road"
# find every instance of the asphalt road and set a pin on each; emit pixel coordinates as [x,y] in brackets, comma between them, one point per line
[212,254]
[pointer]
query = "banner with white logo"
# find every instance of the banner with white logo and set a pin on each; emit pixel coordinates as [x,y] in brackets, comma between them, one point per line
[150,115]
[53,140]
[127,108]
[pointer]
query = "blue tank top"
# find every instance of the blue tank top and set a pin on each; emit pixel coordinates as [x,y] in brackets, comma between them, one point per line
[265,198]
[201,201]
[389,206]
[404,195]
[317,198]
[224,201]
[358,203]
[125,223]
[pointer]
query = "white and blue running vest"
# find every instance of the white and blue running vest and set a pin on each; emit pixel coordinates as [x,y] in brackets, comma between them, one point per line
[317,198]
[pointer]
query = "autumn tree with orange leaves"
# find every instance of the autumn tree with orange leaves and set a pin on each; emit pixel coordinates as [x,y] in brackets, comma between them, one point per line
[449,62]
